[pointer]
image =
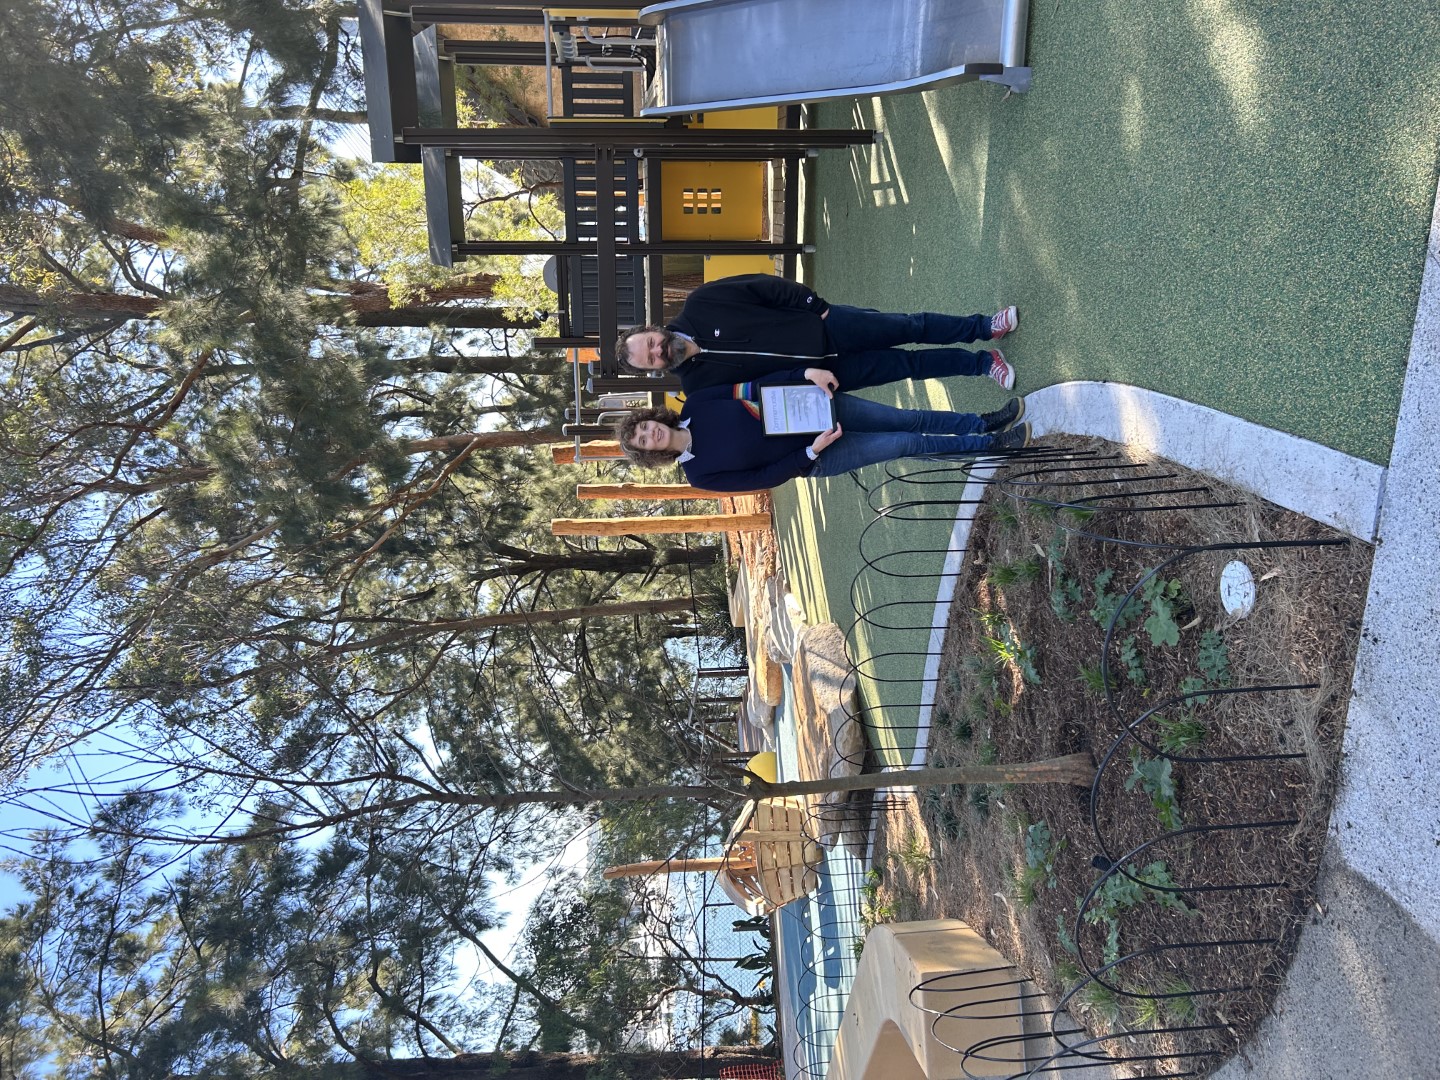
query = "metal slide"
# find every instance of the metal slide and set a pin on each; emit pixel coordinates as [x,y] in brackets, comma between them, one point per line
[729,54]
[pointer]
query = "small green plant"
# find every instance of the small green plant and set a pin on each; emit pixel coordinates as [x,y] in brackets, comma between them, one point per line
[1008,648]
[1146,1012]
[1214,659]
[954,683]
[1123,891]
[1179,733]
[914,854]
[1192,685]
[976,707]
[1067,942]
[1101,1000]
[1006,516]
[984,670]
[1179,1009]
[1065,593]
[1153,776]
[1131,661]
[1162,887]
[980,799]
[1166,600]
[874,911]
[1095,680]
[940,808]
[1020,572]
[1107,604]
[1067,972]
[1041,851]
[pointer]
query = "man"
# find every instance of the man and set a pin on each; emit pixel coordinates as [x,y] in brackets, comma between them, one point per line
[744,327]
[719,440]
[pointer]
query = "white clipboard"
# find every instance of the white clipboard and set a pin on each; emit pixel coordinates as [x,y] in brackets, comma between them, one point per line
[796,409]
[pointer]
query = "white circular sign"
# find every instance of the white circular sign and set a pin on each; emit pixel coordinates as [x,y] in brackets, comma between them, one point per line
[1237,589]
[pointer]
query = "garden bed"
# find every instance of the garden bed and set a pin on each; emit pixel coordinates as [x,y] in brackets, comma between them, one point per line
[1021,680]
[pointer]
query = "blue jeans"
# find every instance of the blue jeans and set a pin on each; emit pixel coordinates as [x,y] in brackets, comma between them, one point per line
[872,433]
[866,341]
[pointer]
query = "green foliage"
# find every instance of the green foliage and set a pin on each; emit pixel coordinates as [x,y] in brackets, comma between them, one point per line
[939,807]
[1107,604]
[1020,572]
[1065,593]
[1094,680]
[1041,851]
[1124,891]
[1214,659]
[913,854]
[976,708]
[984,670]
[1153,776]
[1165,599]
[1007,648]
[1006,516]
[1101,1000]
[1178,1009]
[979,796]
[1129,657]
[959,727]
[873,910]
[1066,939]
[1179,733]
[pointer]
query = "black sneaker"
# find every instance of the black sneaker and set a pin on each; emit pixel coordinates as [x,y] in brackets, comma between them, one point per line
[1005,417]
[1016,438]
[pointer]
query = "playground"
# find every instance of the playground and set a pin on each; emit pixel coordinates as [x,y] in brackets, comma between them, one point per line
[1217,223]
[1229,205]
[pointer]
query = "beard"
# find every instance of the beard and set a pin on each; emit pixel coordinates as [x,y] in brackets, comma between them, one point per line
[672,347]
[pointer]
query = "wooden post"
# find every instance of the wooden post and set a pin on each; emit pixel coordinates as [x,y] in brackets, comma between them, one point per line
[565,455]
[667,866]
[678,523]
[654,491]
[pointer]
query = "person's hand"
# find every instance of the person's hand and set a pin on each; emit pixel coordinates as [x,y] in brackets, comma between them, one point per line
[825,438]
[824,379]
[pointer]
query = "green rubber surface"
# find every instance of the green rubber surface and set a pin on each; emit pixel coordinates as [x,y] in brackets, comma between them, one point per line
[1223,200]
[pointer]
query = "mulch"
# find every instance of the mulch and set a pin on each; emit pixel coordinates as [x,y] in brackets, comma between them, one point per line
[1304,630]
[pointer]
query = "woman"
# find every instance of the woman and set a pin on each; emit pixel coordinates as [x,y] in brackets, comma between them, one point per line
[720,442]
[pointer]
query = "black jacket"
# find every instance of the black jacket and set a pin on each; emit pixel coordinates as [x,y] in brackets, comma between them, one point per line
[751,313]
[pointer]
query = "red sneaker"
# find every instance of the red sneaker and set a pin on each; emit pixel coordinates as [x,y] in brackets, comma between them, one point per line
[1003,321]
[1000,371]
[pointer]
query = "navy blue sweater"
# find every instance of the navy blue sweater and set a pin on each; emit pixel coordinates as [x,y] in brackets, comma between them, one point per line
[732,451]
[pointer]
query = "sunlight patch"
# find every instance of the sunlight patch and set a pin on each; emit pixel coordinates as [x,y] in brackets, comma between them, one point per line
[1236,52]
[1132,116]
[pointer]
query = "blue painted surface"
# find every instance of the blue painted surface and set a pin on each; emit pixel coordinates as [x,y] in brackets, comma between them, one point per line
[815,947]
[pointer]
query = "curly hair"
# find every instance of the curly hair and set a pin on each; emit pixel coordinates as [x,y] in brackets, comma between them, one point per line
[622,350]
[625,432]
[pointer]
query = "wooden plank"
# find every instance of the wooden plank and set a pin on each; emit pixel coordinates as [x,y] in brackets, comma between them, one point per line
[677,523]
[654,491]
[565,455]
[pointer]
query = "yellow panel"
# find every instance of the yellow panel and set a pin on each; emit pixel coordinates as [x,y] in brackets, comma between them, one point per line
[763,116]
[590,13]
[718,266]
[650,121]
[713,200]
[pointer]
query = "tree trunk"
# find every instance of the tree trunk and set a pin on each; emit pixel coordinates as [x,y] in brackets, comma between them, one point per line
[368,307]
[655,1065]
